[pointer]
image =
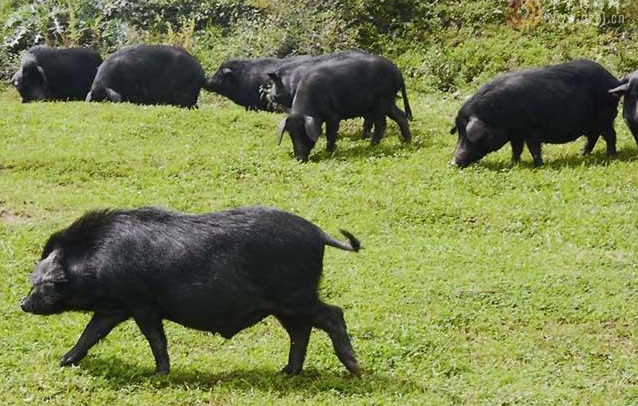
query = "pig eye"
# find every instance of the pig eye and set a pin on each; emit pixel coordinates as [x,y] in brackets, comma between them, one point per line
[16,83]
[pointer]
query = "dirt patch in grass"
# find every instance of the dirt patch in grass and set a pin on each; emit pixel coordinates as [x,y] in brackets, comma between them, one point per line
[12,217]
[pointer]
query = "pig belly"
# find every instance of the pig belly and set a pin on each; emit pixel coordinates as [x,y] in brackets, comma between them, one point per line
[225,317]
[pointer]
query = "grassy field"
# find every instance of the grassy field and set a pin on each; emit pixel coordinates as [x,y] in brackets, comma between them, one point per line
[494,285]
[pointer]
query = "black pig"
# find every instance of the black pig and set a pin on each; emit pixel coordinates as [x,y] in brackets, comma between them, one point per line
[343,89]
[286,79]
[555,105]
[244,80]
[149,74]
[629,89]
[61,74]
[218,272]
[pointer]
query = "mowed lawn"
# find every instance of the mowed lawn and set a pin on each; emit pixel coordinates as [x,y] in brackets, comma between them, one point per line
[493,285]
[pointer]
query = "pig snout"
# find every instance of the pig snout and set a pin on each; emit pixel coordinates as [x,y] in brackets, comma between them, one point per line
[25,305]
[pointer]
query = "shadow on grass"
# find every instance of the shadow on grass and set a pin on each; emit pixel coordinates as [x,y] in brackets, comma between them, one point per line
[119,374]
[595,159]
[363,150]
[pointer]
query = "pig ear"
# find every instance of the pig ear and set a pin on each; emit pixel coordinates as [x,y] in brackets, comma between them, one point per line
[282,129]
[15,78]
[42,75]
[49,270]
[620,90]
[88,98]
[476,129]
[312,129]
[113,96]
[274,76]
[227,71]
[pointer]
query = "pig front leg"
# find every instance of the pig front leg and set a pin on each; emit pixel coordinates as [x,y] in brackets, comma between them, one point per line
[535,149]
[332,128]
[368,122]
[99,327]
[299,333]
[151,326]
[517,150]
[592,139]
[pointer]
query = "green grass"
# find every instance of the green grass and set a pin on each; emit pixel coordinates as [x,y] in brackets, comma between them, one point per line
[491,286]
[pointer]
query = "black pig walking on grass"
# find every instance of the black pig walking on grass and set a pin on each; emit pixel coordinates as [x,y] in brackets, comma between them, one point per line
[555,105]
[219,272]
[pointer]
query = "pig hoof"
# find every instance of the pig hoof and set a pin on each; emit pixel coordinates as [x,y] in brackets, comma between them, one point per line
[353,367]
[70,359]
[161,371]
[291,370]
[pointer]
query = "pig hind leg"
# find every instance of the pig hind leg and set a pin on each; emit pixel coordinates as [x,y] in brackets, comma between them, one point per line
[151,326]
[299,332]
[330,319]
[380,111]
[609,134]
[592,139]
[402,120]
[535,148]
[368,122]
[517,150]
[99,327]
[380,125]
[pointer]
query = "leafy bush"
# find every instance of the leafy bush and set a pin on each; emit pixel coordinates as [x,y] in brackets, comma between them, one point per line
[63,22]
[159,15]
[446,44]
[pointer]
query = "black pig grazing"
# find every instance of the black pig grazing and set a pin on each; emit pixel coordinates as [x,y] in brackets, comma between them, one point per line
[629,89]
[219,272]
[555,105]
[284,81]
[343,89]
[149,74]
[243,80]
[61,74]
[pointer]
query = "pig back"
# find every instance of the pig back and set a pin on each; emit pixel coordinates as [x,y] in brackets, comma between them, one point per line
[204,271]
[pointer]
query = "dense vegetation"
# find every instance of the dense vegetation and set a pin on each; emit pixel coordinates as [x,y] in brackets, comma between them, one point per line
[445,44]
[495,285]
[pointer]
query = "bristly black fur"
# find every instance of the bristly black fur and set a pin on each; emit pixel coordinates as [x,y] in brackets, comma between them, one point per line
[554,105]
[354,242]
[219,272]
[338,89]
[48,73]
[149,74]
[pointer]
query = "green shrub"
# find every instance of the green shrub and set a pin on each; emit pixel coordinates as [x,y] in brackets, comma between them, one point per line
[444,45]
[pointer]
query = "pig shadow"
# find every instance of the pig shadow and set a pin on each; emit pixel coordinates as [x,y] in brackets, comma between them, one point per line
[310,381]
[595,159]
[363,150]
